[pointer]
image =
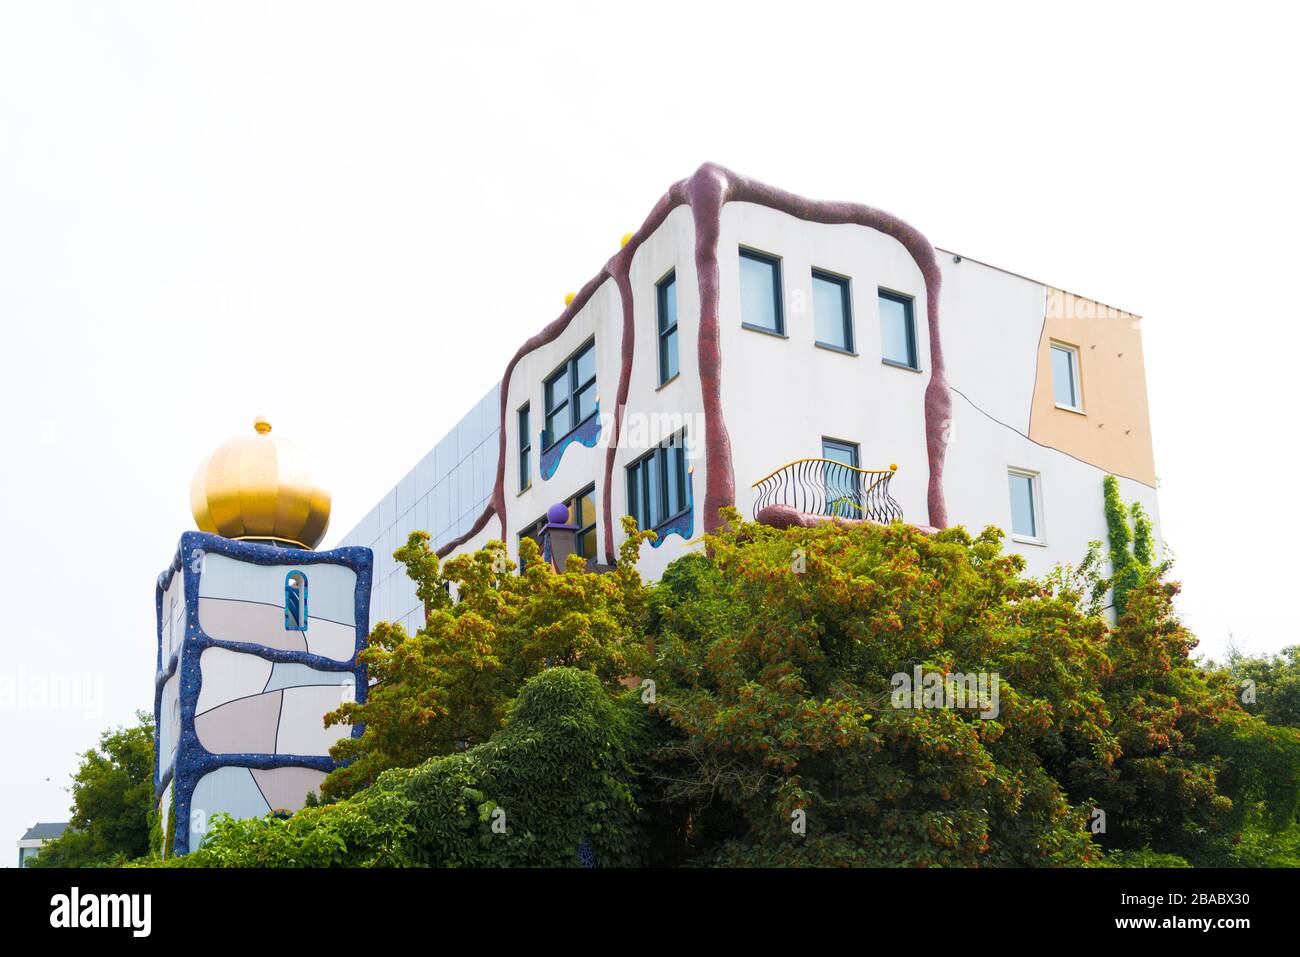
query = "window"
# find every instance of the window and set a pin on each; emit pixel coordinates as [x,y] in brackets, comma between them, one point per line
[842,494]
[525,447]
[1065,377]
[897,330]
[295,601]
[570,394]
[832,313]
[760,292]
[582,514]
[1026,520]
[657,484]
[667,304]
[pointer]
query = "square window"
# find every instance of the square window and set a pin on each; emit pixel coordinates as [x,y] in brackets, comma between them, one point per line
[897,330]
[760,292]
[832,313]
[570,394]
[1025,504]
[1065,377]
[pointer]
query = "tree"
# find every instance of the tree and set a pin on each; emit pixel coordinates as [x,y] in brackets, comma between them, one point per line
[801,708]
[1270,685]
[448,687]
[112,793]
[776,669]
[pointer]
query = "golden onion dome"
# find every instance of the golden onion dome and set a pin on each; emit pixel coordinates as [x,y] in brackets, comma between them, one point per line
[260,487]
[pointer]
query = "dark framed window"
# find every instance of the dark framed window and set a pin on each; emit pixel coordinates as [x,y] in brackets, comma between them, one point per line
[525,447]
[570,394]
[666,297]
[582,513]
[843,497]
[832,311]
[658,484]
[295,601]
[897,330]
[760,292]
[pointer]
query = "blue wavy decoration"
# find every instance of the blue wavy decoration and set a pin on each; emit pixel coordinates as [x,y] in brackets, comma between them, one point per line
[586,432]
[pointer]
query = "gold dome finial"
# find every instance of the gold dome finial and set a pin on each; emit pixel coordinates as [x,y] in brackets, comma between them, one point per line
[260,487]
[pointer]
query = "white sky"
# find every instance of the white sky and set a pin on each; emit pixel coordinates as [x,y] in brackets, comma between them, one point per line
[348,216]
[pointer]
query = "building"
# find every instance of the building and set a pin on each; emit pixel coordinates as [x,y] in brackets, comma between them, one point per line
[257,641]
[801,361]
[37,836]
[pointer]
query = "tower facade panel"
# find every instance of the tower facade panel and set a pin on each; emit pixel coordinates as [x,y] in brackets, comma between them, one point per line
[256,643]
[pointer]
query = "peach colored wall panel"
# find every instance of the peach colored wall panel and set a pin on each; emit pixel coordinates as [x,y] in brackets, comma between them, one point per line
[1113,431]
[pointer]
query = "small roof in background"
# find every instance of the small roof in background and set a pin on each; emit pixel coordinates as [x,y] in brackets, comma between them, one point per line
[44,831]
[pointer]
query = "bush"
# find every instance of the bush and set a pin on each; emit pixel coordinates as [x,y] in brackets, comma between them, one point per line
[556,782]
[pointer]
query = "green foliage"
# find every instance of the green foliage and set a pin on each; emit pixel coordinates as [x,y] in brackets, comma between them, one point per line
[1273,691]
[1144,858]
[774,658]
[1132,550]
[447,687]
[560,772]
[112,794]
[776,685]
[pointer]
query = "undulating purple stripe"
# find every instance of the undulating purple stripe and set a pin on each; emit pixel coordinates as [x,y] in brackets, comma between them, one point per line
[706,191]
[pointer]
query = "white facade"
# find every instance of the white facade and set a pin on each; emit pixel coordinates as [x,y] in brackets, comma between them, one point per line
[781,395]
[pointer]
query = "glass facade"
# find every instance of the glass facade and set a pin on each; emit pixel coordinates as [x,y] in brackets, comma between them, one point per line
[442,495]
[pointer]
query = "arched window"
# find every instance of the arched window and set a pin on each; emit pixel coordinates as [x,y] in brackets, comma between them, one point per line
[295,601]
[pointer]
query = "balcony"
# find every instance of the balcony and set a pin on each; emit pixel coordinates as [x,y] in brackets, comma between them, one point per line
[808,491]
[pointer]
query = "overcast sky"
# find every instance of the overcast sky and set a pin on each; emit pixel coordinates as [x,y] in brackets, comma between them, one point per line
[348,216]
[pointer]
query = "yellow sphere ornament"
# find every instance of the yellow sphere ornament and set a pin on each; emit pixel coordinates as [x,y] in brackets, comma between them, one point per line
[259,487]
[568,299]
[627,238]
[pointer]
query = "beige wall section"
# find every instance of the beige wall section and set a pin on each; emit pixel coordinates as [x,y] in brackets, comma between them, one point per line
[1114,430]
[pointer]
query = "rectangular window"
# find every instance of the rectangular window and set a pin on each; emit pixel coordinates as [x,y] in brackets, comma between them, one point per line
[1065,377]
[525,447]
[897,330]
[667,307]
[843,497]
[657,489]
[832,312]
[760,292]
[570,394]
[582,513]
[1025,504]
